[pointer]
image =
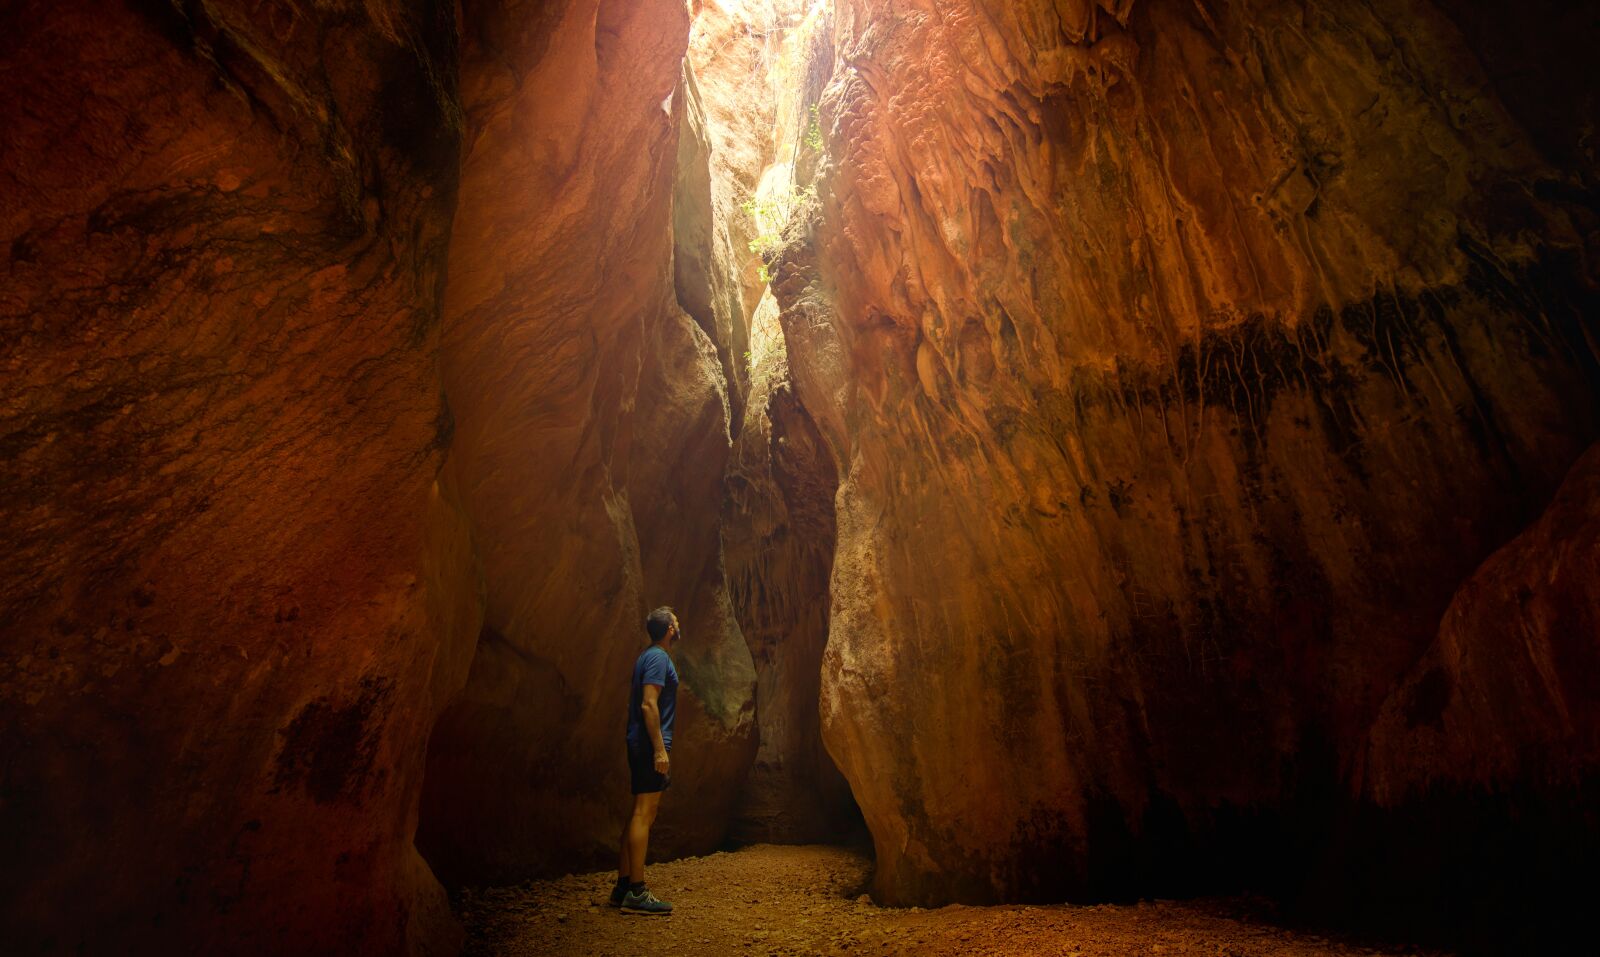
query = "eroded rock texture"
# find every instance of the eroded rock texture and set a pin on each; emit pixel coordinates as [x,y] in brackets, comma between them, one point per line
[780,542]
[778,514]
[591,441]
[235,591]
[1147,429]
[724,144]
[1179,361]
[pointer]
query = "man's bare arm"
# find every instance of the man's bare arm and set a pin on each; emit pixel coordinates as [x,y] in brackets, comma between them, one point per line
[652,723]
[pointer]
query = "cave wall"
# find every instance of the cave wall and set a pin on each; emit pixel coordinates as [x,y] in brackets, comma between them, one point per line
[236,588]
[592,433]
[1179,361]
[1508,691]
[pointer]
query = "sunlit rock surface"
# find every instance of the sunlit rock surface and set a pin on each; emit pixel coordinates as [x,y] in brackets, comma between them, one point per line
[592,434]
[778,510]
[234,591]
[1182,361]
[724,144]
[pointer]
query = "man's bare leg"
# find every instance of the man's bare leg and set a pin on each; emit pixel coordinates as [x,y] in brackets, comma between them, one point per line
[637,834]
[624,868]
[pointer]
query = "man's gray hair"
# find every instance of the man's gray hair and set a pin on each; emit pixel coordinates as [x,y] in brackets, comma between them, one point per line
[659,622]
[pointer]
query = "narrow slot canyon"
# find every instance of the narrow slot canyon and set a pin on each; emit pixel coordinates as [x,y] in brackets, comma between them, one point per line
[1127,474]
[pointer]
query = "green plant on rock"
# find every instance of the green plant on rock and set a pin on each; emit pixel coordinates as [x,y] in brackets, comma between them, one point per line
[771,215]
[813,134]
[765,243]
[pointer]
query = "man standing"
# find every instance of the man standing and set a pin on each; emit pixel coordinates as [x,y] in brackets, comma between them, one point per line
[651,703]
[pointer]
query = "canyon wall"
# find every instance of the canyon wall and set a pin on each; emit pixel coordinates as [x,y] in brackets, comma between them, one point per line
[723,146]
[780,538]
[1135,468]
[236,588]
[272,483]
[592,435]
[777,521]
[1179,361]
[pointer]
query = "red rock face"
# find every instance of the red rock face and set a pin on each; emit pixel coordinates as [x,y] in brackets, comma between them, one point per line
[1139,459]
[1508,694]
[1181,362]
[245,578]
[591,441]
[232,596]
[780,538]
[1482,765]
[777,524]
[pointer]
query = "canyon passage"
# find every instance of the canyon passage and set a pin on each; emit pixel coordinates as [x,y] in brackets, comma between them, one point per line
[1100,451]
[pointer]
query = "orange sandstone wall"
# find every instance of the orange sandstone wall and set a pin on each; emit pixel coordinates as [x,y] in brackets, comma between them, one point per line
[1148,419]
[270,481]
[592,434]
[777,521]
[235,589]
[1178,360]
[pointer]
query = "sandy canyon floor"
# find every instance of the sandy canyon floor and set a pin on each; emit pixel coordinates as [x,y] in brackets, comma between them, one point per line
[771,900]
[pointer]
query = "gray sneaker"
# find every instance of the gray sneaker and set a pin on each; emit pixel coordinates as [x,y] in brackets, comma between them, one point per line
[645,903]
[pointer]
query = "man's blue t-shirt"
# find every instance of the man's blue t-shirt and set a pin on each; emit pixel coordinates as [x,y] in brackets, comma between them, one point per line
[654,667]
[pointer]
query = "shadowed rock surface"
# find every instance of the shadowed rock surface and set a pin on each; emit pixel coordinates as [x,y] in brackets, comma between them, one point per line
[236,590]
[1115,444]
[1483,764]
[778,519]
[1508,691]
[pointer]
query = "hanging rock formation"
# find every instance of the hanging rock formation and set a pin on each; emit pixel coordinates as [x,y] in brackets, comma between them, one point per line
[591,441]
[235,591]
[1180,360]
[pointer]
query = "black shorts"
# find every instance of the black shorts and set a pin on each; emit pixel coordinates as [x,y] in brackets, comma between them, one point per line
[642,769]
